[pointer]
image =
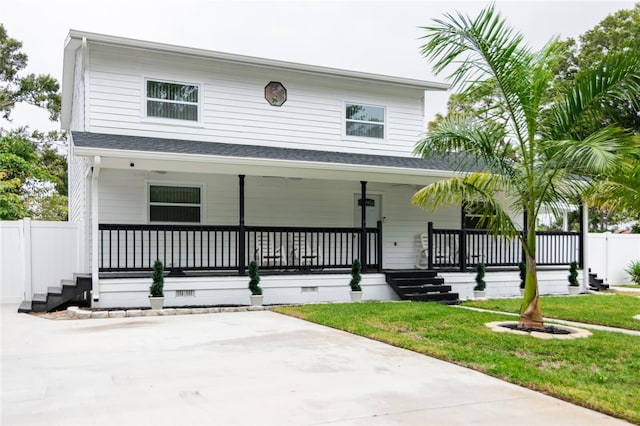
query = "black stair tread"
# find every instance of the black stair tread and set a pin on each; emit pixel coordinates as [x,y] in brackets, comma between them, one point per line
[415,278]
[411,274]
[54,290]
[68,283]
[427,281]
[25,306]
[435,297]
[449,302]
[39,297]
[424,293]
[81,275]
[425,289]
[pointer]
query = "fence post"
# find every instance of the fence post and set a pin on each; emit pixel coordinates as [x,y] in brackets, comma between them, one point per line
[25,234]
[430,246]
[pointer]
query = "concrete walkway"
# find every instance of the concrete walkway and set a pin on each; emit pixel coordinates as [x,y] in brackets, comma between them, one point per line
[244,368]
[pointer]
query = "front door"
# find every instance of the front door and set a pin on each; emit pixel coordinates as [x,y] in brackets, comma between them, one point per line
[374,210]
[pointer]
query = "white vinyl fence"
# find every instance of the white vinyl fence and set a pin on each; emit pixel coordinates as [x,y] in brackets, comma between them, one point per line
[35,255]
[610,254]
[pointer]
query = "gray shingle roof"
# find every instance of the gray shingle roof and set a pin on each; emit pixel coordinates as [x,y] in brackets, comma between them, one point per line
[178,146]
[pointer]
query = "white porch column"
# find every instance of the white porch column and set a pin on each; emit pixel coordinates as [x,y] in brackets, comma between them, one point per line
[95,281]
[585,248]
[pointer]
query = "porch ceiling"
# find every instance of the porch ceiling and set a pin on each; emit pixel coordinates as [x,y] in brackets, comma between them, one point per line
[150,153]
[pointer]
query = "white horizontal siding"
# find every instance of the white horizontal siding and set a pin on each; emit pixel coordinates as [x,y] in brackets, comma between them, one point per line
[233,109]
[275,201]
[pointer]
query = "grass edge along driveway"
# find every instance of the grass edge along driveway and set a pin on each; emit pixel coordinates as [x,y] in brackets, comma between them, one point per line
[600,372]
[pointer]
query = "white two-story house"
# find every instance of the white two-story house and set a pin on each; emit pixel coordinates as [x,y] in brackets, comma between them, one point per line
[208,160]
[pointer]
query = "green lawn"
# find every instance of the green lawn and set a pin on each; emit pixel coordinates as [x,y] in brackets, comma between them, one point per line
[601,372]
[612,310]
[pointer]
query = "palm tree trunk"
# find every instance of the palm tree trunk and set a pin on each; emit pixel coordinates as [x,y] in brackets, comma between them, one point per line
[530,312]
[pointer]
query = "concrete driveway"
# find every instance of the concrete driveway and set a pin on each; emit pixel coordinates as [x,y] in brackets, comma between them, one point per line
[244,368]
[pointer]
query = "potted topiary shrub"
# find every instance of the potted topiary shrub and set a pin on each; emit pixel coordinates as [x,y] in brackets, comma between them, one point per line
[574,285]
[479,289]
[523,276]
[156,296]
[254,287]
[356,290]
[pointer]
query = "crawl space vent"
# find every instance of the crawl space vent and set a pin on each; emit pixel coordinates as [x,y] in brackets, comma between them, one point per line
[185,293]
[309,289]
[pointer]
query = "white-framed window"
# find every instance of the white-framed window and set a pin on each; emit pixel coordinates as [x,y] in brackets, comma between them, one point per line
[366,121]
[175,203]
[172,100]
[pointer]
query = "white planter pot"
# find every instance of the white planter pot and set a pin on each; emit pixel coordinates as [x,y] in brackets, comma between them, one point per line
[573,290]
[356,296]
[256,299]
[479,294]
[156,302]
[522,292]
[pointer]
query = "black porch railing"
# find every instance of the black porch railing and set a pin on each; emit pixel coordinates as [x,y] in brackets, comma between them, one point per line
[130,248]
[463,249]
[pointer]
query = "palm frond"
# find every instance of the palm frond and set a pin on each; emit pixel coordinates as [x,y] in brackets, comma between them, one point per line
[615,79]
[480,189]
[469,144]
[597,154]
[482,48]
[620,191]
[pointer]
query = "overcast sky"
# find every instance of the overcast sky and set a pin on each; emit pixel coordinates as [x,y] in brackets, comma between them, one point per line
[380,37]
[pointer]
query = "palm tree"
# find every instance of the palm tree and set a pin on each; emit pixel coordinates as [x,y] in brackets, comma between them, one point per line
[534,154]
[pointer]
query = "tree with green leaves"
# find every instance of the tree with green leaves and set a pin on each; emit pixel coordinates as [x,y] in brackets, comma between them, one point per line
[39,90]
[618,32]
[538,157]
[617,198]
[33,177]
[33,174]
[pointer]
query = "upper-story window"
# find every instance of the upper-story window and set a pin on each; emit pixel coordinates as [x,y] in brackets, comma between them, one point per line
[364,120]
[180,204]
[172,100]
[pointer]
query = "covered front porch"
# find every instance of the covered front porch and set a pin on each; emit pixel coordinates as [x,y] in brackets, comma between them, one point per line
[304,219]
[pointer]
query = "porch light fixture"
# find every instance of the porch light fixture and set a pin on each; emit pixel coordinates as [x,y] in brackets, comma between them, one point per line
[275,93]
